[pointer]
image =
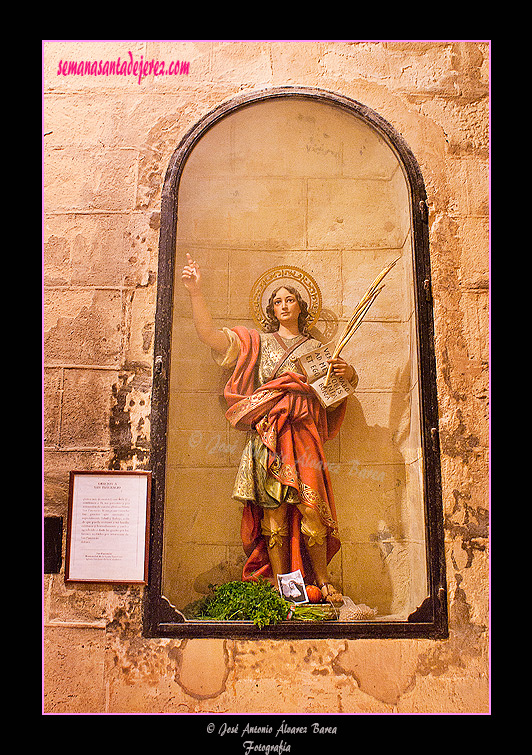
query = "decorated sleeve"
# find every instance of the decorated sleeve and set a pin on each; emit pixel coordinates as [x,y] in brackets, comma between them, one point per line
[233,350]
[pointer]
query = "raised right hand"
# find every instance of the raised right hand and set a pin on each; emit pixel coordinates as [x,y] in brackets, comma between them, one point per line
[191,276]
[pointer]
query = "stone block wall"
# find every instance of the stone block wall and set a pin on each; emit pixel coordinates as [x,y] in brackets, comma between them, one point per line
[107,143]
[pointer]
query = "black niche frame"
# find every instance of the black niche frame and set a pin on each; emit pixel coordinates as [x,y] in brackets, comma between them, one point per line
[429,620]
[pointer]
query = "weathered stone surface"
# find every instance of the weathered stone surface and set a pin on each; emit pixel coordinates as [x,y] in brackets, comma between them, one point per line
[204,668]
[86,408]
[75,669]
[83,327]
[108,141]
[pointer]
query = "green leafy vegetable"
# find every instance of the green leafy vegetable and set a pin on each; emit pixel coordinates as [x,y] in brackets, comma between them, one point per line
[314,612]
[245,601]
[255,601]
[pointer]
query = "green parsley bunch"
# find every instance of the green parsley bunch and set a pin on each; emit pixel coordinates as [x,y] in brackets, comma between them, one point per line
[255,601]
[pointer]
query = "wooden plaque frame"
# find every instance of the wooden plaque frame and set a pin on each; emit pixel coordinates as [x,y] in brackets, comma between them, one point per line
[108,527]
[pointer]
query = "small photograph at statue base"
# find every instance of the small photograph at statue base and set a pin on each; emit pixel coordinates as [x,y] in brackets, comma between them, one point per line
[292,587]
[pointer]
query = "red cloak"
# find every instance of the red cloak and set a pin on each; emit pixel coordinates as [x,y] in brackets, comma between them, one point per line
[293,425]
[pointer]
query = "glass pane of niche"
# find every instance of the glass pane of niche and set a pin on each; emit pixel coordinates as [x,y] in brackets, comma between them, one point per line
[303,184]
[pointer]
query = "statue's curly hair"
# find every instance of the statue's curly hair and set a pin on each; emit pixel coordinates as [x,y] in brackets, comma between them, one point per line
[272,323]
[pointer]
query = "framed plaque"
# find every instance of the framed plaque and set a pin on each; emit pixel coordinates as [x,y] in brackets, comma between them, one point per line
[108,524]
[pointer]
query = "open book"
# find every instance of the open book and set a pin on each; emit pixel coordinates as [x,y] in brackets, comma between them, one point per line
[314,365]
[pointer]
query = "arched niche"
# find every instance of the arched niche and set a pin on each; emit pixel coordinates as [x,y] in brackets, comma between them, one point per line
[307,178]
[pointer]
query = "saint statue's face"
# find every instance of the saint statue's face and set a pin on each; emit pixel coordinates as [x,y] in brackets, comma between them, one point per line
[286,307]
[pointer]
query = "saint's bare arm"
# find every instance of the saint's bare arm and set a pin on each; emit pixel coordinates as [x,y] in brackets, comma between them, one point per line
[207,333]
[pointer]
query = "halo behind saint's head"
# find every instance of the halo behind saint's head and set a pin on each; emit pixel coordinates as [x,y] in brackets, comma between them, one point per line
[284,275]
